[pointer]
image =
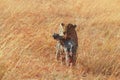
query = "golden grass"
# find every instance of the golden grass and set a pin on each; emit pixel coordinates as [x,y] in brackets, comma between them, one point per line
[27,48]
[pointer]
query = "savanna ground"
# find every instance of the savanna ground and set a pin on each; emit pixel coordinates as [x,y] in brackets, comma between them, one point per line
[27,48]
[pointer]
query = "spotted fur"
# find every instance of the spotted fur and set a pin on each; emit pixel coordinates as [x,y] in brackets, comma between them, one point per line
[65,49]
[68,32]
[69,35]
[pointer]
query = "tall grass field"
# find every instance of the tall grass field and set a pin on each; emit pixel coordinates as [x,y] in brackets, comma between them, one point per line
[27,49]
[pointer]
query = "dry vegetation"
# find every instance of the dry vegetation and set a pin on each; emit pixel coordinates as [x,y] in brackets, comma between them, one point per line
[27,48]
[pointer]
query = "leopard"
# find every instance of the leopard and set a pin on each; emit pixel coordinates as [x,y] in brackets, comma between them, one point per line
[67,34]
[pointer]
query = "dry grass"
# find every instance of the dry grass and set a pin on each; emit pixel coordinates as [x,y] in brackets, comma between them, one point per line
[27,48]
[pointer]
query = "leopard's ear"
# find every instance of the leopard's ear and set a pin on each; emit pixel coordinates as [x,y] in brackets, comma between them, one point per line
[62,24]
[74,25]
